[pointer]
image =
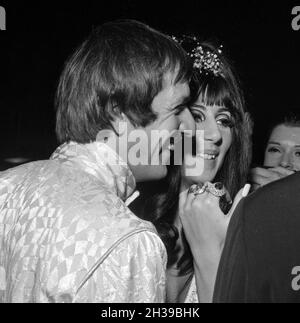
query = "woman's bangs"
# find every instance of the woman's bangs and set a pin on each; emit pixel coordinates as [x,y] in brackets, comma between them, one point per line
[217,92]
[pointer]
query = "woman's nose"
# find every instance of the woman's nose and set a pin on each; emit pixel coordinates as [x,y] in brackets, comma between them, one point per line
[212,132]
[287,161]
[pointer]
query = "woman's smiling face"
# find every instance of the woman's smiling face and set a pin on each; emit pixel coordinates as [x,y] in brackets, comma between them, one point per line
[213,141]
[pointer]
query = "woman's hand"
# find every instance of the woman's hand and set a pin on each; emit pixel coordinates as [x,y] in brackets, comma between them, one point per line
[261,176]
[205,227]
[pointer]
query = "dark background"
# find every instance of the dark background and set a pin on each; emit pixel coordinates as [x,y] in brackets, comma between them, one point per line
[257,35]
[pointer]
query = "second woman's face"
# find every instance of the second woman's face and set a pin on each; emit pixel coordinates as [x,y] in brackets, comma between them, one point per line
[213,142]
[283,148]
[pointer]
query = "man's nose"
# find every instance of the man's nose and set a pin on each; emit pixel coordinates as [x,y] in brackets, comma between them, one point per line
[187,122]
[212,132]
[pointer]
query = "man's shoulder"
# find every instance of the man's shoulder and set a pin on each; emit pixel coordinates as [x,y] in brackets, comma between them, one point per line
[289,184]
[21,176]
[262,246]
[270,217]
[282,195]
[21,169]
[272,211]
[107,212]
[74,194]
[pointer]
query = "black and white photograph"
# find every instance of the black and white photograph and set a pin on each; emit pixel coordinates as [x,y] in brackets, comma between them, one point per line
[150,153]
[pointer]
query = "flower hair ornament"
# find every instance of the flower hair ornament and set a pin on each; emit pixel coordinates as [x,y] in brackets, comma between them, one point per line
[205,60]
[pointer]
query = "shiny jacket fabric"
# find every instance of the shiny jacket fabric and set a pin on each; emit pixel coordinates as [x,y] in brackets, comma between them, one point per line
[67,236]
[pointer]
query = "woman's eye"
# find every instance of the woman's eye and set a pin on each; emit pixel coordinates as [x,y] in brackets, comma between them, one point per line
[226,122]
[198,117]
[297,154]
[273,150]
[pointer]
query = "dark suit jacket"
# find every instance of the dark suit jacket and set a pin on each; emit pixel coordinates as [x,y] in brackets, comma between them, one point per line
[262,250]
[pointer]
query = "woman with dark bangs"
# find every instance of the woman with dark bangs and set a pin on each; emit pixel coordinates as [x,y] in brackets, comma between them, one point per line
[223,151]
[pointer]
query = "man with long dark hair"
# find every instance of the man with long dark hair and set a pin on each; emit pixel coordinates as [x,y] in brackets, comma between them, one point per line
[66,234]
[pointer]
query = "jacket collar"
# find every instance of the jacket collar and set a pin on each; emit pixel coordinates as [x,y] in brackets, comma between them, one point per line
[100,161]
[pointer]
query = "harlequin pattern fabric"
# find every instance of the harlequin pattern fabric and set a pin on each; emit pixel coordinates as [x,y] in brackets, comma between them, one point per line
[192,295]
[67,236]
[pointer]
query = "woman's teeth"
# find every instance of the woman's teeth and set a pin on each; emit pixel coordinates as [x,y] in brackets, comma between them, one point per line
[207,156]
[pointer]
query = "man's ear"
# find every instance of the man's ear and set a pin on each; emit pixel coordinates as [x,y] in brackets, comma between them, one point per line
[116,112]
[105,135]
[122,116]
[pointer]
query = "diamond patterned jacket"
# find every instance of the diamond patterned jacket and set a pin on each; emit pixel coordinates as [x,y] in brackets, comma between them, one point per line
[67,236]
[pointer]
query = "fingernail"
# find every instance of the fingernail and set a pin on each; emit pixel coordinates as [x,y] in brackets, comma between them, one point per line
[246,190]
[134,196]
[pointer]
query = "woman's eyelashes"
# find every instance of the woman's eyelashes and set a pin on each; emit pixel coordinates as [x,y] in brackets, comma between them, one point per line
[198,116]
[277,150]
[224,120]
[274,150]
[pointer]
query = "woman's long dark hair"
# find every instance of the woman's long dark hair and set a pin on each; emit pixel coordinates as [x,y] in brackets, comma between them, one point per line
[222,90]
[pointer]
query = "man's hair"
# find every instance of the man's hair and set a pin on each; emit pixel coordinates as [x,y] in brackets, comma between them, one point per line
[119,68]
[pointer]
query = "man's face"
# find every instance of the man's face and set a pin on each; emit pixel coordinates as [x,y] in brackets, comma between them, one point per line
[171,114]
